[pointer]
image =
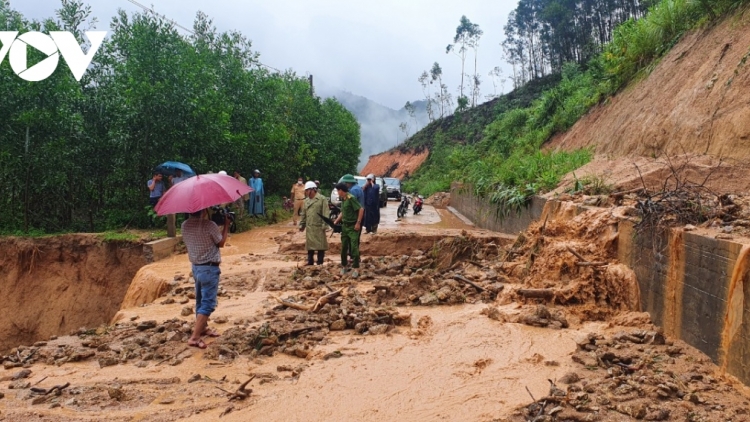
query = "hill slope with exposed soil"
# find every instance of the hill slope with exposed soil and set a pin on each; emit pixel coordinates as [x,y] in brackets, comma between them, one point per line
[694,102]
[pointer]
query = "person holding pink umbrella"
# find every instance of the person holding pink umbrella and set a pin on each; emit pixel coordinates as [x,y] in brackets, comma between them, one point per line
[203,238]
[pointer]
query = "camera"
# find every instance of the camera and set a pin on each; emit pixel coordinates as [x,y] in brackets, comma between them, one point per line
[219,215]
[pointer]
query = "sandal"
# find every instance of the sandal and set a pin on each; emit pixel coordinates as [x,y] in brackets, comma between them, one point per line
[211,333]
[199,344]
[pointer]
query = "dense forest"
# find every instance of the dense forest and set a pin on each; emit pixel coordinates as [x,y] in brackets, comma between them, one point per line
[542,35]
[496,147]
[75,156]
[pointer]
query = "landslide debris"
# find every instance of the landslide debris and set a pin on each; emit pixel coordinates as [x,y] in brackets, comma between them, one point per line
[572,263]
[636,374]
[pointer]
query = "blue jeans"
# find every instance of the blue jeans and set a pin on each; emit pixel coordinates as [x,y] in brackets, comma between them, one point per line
[206,287]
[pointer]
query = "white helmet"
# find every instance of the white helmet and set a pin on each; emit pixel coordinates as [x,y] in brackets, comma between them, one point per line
[370,176]
[223,172]
[310,185]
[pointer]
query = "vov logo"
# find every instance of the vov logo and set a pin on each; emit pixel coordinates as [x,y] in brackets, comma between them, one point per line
[54,45]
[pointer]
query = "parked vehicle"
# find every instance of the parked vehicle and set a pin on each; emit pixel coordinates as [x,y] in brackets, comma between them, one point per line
[403,207]
[393,187]
[418,204]
[361,180]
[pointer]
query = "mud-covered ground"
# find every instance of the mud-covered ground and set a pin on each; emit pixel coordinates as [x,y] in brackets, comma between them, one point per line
[474,327]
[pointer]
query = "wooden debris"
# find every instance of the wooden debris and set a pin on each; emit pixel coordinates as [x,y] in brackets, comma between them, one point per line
[537,293]
[323,300]
[291,304]
[241,393]
[57,389]
[579,256]
[469,282]
[592,264]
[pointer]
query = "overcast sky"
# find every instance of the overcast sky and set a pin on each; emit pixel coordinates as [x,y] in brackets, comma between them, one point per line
[376,49]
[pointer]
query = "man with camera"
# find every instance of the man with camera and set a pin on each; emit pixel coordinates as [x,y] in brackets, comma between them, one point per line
[203,238]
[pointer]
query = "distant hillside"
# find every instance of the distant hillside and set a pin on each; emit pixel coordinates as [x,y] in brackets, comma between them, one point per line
[379,124]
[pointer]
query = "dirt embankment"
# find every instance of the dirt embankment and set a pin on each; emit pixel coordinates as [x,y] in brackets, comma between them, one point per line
[396,163]
[57,284]
[694,101]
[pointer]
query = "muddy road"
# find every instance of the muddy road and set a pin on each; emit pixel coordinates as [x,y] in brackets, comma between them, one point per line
[446,323]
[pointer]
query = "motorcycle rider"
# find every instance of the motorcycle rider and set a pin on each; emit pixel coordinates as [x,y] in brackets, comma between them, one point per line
[418,204]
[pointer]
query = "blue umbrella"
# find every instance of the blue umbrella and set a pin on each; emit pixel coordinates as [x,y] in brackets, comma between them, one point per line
[169,168]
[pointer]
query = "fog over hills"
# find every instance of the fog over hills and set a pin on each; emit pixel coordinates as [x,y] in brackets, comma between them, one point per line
[379,124]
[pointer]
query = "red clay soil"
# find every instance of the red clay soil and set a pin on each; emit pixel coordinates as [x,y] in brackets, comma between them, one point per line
[693,102]
[395,163]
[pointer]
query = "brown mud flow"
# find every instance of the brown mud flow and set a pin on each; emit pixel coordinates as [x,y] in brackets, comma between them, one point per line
[735,305]
[673,305]
[469,327]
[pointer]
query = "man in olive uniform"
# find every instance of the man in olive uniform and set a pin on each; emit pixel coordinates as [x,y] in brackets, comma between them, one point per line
[313,211]
[298,196]
[351,224]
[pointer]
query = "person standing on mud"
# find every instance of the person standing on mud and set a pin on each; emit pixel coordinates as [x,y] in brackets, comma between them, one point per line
[351,225]
[298,196]
[314,209]
[203,238]
[257,196]
[372,204]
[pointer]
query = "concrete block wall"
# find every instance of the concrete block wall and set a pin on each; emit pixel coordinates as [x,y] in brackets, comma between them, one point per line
[486,215]
[684,279]
[161,248]
[693,286]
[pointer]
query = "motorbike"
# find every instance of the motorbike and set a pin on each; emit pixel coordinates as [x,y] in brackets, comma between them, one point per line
[334,211]
[287,204]
[403,207]
[418,204]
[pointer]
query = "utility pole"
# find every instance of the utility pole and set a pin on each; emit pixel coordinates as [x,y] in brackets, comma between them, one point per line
[312,91]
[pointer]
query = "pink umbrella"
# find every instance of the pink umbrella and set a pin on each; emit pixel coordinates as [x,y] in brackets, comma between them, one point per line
[201,192]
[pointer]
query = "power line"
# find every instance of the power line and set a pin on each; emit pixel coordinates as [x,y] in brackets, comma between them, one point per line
[153,12]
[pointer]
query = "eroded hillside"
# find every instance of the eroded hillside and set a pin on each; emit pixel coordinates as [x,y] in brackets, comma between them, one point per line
[396,163]
[695,101]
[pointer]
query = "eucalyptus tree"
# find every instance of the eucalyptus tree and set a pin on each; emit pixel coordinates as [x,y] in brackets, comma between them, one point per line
[467,36]
[442,97]
[426,82]
[409,107]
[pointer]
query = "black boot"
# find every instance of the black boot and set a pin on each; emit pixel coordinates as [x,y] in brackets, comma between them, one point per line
[321,256]
[310,255]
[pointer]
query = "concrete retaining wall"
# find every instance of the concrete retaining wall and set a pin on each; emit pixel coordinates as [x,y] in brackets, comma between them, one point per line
[161,248]
[693,286]
[488,216]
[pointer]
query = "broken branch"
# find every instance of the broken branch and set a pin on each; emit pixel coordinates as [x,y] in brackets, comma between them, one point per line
[467,281]
[579,256]
[323,300]
[291,304]
[591,264]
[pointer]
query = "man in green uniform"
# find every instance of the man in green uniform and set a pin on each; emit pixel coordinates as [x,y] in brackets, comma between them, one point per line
[351,223]
[314,209]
